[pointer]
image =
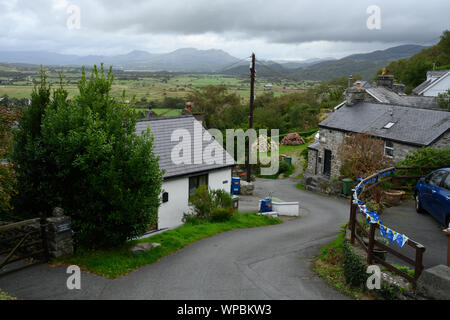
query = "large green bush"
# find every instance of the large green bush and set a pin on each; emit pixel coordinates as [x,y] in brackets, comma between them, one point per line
[84,156]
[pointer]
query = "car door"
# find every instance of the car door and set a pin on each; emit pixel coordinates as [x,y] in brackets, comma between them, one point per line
[431,191]
[441,203]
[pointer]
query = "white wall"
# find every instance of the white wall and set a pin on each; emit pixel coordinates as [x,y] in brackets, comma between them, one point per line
[440,87]
[170,214]
[216,179]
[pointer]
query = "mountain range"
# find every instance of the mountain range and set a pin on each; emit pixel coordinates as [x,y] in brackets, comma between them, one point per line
[219,61]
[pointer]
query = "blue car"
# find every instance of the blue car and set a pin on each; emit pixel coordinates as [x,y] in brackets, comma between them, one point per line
[432,194]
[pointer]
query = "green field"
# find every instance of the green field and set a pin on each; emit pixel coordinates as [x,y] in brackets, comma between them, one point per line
[157,87]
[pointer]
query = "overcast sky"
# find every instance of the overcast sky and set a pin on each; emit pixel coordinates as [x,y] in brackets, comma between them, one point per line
[277,29]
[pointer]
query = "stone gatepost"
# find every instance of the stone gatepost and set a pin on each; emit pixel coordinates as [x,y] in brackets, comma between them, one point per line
[59,234]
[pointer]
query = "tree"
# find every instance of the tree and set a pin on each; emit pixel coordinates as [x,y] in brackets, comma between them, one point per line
[212,100]
[26,153]
[361,155]
[90,162]
[8,176]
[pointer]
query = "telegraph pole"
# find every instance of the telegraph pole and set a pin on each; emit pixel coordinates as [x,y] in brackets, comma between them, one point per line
[250,126]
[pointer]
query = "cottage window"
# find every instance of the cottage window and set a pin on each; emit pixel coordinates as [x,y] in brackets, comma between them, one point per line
[196,181]
[389,149]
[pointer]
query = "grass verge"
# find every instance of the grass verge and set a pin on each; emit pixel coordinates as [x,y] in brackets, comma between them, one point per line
[116,262]
[5,296]
[328,266]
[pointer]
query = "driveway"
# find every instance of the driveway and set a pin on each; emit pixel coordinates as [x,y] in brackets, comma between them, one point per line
[262,263]
[422,228]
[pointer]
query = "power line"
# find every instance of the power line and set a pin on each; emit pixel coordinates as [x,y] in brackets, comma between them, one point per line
[233,64]
[271,69]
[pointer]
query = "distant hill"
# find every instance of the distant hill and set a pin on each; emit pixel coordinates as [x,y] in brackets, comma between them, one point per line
[219,61]
[302,64]
[413,71]
[365,64]
[188,60]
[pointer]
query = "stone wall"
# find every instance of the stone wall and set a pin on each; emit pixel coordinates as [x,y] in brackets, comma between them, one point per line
[402,150]
[443,141]
[58,236]
[312,160]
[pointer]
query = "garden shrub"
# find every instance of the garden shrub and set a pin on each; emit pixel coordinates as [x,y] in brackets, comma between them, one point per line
[202,202]
[221,215]
[205,202]
[191,218]
[354,268]
[292,139]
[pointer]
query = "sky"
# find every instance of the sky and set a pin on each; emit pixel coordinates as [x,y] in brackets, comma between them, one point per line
[277,29]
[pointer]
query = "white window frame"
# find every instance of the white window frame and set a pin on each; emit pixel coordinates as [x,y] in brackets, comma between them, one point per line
[386,148]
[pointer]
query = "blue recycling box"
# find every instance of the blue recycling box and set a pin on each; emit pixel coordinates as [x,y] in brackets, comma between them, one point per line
[266,205]
[235,185]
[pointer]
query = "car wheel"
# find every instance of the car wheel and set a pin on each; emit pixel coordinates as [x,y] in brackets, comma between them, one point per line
[419,208]
[447,222]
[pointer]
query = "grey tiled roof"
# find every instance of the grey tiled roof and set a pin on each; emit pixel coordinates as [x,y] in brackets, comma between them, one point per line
[314,145]
[412,125]
[432,77]
[422,86]
[437,73]
[385,95]
[162,129]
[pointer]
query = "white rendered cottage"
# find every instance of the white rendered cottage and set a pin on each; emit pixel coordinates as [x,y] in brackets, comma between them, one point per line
[180,180]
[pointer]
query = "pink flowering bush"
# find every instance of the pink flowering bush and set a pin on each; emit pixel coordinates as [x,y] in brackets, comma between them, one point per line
[292,139]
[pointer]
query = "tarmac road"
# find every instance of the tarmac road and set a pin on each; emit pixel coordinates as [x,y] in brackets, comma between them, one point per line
[262,263]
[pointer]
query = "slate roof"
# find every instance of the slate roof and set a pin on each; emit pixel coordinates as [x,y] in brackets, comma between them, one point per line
[385,95]
[162,129]
[416,126]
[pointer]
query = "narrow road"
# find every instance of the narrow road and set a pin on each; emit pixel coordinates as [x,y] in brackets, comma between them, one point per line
[262,263]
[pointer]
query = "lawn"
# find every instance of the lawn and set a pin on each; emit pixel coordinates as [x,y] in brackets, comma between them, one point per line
[113,263]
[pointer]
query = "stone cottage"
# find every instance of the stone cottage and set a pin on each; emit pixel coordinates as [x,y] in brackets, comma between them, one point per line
[405,123]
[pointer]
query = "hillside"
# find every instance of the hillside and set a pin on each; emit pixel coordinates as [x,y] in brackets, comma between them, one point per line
[364,64]
[413,71]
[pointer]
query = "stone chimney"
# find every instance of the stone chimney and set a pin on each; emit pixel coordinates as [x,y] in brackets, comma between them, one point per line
[354,95]
[385,80]
[350,81]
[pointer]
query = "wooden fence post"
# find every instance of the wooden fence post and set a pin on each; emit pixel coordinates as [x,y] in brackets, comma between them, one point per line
[371,243]
[418,268]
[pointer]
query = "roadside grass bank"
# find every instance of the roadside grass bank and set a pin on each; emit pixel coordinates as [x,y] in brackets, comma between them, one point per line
[329,266]
[116,262]
[5,296]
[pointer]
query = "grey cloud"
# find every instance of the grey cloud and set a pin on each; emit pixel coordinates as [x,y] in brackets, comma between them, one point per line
[279,21]
[276,25]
